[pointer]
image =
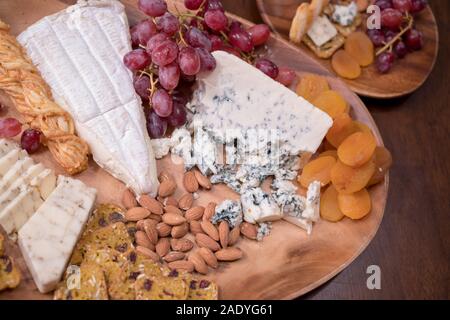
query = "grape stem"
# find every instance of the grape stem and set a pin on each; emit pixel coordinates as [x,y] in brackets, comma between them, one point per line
[388,46]
[190,15]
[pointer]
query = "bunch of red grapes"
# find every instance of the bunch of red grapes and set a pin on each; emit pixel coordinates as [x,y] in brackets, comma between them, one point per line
[170,50]
[397,22]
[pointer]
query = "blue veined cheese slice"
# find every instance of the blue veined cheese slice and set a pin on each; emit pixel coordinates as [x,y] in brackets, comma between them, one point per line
[322,31]
[10,158]
[79,52]
[237,96]
[49,236]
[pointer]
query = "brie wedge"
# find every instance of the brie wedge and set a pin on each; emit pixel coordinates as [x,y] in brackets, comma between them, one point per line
[49,236]
[79,52]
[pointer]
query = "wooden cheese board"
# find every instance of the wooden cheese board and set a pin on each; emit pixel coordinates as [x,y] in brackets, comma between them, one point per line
[286,264]
[406,76]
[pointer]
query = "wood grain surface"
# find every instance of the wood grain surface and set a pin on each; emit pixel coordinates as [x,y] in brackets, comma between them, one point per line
[286,264]
[407,74]
[412,247]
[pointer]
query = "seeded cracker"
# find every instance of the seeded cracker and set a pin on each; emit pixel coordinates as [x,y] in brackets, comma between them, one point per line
[161,288]
[9,274]
[203,290]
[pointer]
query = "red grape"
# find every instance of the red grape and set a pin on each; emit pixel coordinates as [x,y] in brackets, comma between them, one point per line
[137,59]
[168,24]
[178,116]
[189,61]
[169,76]
[259,34]
[384,62]
[413,39]
[389,35]
[236,26]
[155,40]
[162,103]
[164,53]
[417,6]
[134,36]
[377,37]
[391,19]
[9,127]
[214,5]
[241,40]
[193,4]
[402,5]
[156,126]
[30,140]
[383,4]
[153,8]
[144,30]
[230,50]
[216,20]
[216,42]
[198,39]
[286,76]
[400,49]
[268,67]
[141,86]
[207,61]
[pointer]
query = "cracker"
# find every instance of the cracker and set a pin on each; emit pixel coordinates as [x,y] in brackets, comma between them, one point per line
[9,273]
[203,290]
[160,288]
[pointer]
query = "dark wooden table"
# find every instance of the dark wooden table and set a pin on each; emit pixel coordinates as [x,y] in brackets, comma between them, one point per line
[412,246]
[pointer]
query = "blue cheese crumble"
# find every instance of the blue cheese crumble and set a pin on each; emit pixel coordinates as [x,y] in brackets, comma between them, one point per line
[229,211]
[263,230]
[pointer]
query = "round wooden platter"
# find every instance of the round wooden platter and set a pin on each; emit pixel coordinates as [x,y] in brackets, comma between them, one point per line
[286,264]
[406,76]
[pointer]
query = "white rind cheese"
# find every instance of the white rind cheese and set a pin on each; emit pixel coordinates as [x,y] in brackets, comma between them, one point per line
[238,96]
[49,236]
[79,52]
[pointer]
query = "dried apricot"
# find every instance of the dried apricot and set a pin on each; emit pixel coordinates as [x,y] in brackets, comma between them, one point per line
[317,170]
[356,205]
[329,207]
[311,85]
[343,126]
[360,47]
[331,102]
[327,145]
[329,153]
[345,65]
[383,161]
[357,149]
[348,179]
[362,127]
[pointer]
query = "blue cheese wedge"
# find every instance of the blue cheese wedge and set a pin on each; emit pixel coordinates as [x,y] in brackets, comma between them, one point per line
[322,31]
[236,97]
[49,236]
[259,206]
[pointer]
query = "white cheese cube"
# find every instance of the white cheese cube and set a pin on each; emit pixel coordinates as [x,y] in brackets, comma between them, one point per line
[322,31]
[49,236]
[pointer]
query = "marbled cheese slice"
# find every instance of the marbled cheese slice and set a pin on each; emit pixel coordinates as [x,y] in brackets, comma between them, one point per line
[238,96]
[79,52]
[49,236]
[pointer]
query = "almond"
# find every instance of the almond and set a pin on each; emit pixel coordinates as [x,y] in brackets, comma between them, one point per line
[229,254]
[180,231]
[182,265]
[194,213]
[186,201]
[136,214]
[198,262]
[174,256]
[249,230]
[148,253]
[163,229]
[224,231]
[190,182]
[173,219]
[155,217]
[182,245]
[195,227]
[202,180]
[167,188]
[150,230]
[170,201]
[210,229]
[140,224]
[234,235]
[151,204]
[209,211]
[209,257]
[173,209]
[204,240]
[142,240]
[163,247]
[128,199]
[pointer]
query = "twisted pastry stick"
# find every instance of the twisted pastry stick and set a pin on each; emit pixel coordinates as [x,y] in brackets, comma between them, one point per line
[32,97]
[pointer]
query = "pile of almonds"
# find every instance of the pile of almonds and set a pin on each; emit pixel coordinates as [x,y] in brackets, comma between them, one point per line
[165,227]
